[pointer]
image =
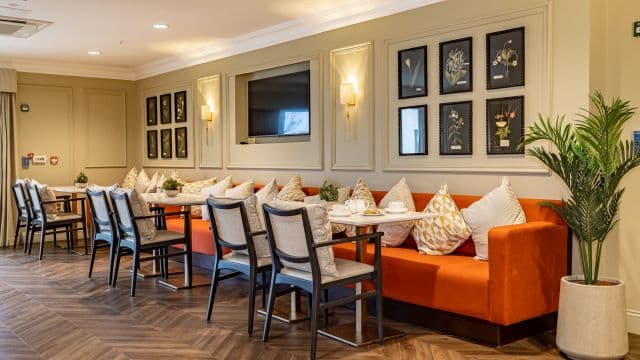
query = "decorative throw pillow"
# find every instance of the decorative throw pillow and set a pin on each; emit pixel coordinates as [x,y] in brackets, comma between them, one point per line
[146,227]
[360,191]
[241,191]
[396,233]
[260,242]
[196,188]
[321,230]
[47,194]
[129,181]
[445,229]
[153,183]
[143,182]
[160,183]
[498,208]
[264,195]
[216,190]
[292,191]
[174,175]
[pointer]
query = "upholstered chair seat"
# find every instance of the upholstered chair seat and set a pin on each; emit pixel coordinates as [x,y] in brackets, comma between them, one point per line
[346,269]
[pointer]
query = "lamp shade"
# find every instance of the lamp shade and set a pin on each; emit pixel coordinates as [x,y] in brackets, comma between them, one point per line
[205,112]
[347,94]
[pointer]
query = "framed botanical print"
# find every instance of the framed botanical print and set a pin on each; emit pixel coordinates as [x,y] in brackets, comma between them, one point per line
[505,125]
[152,111]
[456,66]
[456,124]
[152,144]
[505,58]
[180,101]
[181,142]
[165,109]
[165,141]
[412,73]
[412,130]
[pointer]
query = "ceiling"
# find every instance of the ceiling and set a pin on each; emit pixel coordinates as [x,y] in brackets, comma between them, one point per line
[199,31]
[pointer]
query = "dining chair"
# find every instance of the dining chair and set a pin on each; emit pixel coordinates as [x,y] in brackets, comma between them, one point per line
[23,218]
[105,233]
[131,242]
[51,223]
[230,229]
[292,242]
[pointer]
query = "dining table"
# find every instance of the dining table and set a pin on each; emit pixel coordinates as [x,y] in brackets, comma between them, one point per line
[362,332]
[75,192]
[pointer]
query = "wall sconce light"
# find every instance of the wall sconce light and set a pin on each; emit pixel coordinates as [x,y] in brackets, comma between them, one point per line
[348,99]
[206,114]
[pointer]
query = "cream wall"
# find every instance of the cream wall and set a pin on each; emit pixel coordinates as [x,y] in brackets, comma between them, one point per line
[85,121]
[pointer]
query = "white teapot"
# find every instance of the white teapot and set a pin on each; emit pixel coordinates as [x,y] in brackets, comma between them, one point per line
[357,205]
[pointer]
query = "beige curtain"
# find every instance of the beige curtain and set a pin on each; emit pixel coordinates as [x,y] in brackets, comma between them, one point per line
[8,166]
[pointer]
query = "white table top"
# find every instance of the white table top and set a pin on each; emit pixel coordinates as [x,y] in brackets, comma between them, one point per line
[70,189]
[181,199]
[362,220]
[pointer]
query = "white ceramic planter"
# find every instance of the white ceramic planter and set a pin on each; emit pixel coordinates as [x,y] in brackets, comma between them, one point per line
[171,193]
[592,320]
[81,185]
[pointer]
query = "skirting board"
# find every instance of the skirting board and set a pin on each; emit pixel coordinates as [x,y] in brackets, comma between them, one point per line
[633,321]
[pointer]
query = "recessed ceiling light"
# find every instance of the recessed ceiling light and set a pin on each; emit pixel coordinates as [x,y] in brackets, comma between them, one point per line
[160,26]
[94,52]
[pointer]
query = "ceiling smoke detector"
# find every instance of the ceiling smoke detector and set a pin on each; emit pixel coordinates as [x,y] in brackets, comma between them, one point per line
[20,27]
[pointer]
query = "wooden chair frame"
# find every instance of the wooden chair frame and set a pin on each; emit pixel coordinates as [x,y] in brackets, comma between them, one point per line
[102,238]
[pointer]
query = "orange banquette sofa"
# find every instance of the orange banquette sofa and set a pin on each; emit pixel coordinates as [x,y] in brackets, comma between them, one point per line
[517,288]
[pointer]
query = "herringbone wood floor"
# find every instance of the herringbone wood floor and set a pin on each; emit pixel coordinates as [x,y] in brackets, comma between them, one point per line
[50,310]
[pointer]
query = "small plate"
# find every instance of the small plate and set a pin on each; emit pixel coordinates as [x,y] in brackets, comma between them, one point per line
[395,211]
[339,214]
[378,214]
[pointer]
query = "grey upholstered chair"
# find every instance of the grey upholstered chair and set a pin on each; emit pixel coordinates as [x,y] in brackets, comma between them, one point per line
[105,230]
[23,214]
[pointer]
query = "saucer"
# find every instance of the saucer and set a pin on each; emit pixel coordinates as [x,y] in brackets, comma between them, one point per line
[395,211]
[339,214]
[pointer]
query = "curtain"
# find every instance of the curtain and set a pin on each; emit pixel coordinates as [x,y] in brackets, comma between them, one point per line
[8,166]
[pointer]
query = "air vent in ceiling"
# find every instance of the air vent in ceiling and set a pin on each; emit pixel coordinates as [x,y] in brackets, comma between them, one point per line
[22,28]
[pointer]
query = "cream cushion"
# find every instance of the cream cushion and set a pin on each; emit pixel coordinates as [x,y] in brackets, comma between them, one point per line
[174,175]
[292,191]
[290,237]
[143,182]
[129,181]
[146,227]
[397,232]
[153,183]
[196,187]
[47,194]
[241,191]
[160,183]
[216,190]
[445,229]
[360,191]
[264,195]
[499,207]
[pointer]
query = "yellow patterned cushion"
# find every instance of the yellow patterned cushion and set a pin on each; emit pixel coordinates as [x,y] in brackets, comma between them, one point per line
[445,230]
[292,191]
[129,181]
[396,233]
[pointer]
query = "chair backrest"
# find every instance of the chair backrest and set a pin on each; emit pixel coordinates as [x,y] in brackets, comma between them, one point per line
[290,237]
[101,213]
[20,197]
[124,216]
[37,209]
[230,225]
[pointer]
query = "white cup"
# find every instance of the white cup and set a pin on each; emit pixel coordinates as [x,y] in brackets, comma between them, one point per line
[340,209]
[396,205]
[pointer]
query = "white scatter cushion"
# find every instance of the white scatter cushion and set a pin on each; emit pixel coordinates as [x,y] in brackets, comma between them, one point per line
[499,207]
[292,191]
[360,191]
[196,187]
[160,183]
[445,229]
[106,189]
[397,232]
[153,183]
[343,194]
[315,199]
[129,181]
[295,238]
[47,194]
[174,175]
[143,182]
[24,181]
[264,195]
[216,190]
[241,191]
[146,227]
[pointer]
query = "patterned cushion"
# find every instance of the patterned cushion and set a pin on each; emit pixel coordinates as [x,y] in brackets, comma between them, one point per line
[498,208]
[360,191]
[241,191]
[396,233]
[290,235]
[47,194]
[292,191]
[445,230]
[153,183]
[129,181]
[174,175]
[216,190]
[196,188]
[146,227]
[264,195]
[143,182]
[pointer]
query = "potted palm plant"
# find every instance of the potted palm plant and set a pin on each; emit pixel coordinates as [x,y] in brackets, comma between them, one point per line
[81,180]
[591,159]
[171,187]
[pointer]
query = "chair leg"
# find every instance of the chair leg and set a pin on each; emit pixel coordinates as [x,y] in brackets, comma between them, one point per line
[134,271]
[325,314]
[116,266]
[214,288]
[93,258]
[315,300]
[252,298]
[33,232]
[55,239]
[110,270]
[42,233]
[264,290]
[272,300]
[27,234]
[17,235]
[379,318]
[69,236]
[86,239]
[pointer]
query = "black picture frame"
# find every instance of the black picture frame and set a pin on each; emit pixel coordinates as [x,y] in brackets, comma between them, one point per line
[456,128]
[505,59]
[180,104]
[166,144]
[501,110]
[165,109]
[152,144]
[456,66]
[181,143]
[152,110]
[420,140]
[412,73]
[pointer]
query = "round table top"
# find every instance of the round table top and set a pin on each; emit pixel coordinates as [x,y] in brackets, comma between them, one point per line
[181,199]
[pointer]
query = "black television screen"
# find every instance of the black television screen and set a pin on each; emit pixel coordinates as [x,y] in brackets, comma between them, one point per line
[279,105]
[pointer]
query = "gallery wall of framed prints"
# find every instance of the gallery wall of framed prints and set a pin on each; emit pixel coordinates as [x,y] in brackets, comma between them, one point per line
[471,84]
[168,127]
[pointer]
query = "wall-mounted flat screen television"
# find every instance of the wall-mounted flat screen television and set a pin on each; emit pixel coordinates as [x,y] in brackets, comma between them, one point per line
[279,105]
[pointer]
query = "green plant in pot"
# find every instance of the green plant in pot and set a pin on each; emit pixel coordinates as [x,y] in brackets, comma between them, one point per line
[329,192]
[81,180]
[591,159]
[171,187]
